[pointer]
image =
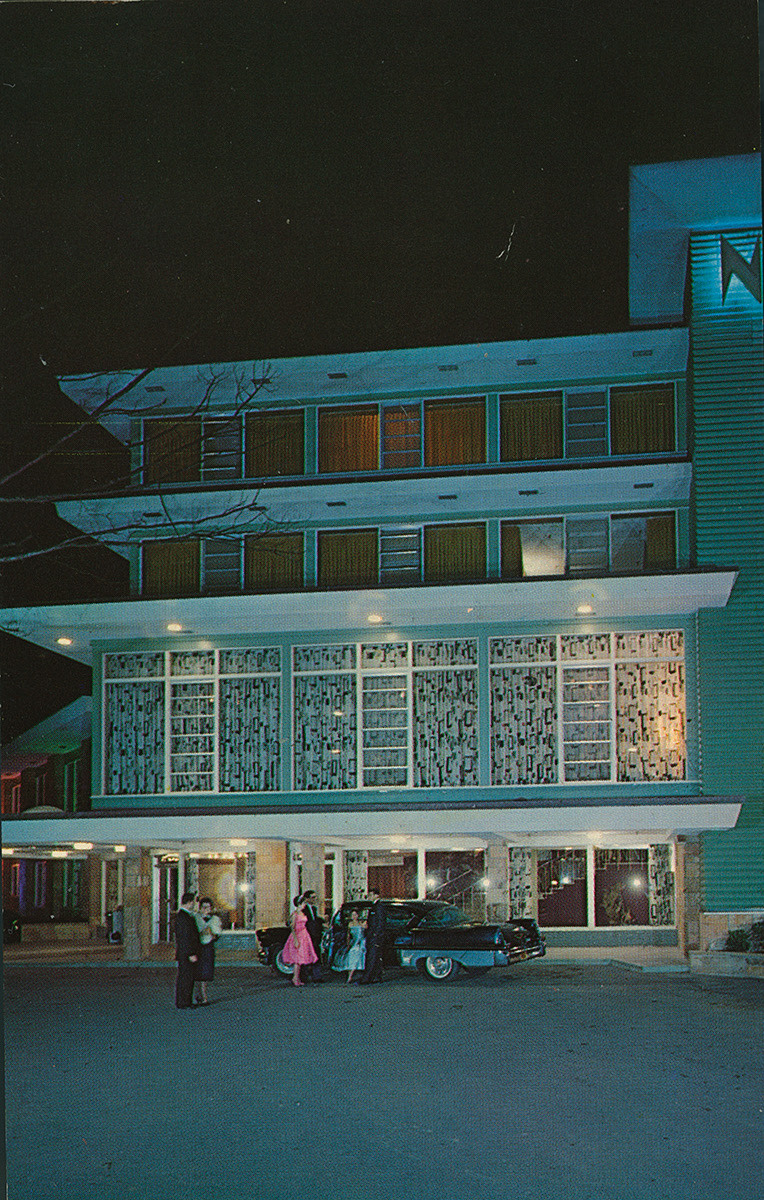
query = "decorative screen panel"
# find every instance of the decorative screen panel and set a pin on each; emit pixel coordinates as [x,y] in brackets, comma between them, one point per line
[250,752]
[325,731]
[445,738]
[650,720]
[133,736]
[524,725]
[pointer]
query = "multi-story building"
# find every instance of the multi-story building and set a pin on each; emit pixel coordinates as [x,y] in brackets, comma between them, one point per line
[480,621]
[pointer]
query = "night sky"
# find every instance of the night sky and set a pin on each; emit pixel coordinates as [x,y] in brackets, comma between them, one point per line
[195,182]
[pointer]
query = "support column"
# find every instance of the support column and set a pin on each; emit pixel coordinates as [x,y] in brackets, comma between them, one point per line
[136,905]
[523,896]
[313,871]
[689,934]
[273,897]
[94,894]
[497,892]
[421,874]
[591,862]
[250,894]
[356,874]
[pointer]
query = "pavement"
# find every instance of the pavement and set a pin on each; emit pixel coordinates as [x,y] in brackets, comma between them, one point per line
[637,958]
[558,1076]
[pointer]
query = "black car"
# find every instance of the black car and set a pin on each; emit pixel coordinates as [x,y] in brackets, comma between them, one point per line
[431,936]
[11,927]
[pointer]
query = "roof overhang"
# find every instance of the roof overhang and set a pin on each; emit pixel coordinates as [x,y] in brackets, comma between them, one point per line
[402,829]
[667,202]
[383,613]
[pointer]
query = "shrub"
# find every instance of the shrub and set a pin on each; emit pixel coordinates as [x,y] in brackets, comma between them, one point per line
[757,936]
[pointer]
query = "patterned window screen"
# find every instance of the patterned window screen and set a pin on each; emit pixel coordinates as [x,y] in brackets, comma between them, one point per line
[171,568]
[348,439]
[454,432]
[531,427]
[642,420]
[172,450]
[275,443]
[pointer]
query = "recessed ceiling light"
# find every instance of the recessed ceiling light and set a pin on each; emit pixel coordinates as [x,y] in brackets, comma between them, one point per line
[120,849]
[174,627]
[59,854]
[374,619]
[82,845]
[584,608]
[237,841]
[64,641]
[8,851]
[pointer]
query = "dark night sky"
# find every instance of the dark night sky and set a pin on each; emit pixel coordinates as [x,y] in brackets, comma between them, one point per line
[186,182]
[194,182]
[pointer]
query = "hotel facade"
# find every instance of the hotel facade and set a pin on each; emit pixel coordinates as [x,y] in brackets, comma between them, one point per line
[480,622]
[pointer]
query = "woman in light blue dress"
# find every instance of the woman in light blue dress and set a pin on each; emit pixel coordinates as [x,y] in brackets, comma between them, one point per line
[355,958]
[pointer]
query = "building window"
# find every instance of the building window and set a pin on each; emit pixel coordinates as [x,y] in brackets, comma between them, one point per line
[626,542]
[621,887]
[400,555]
[587,708]
[642,542]
[221,565]
[172,450]
[397,714]
[348,439]
[642,420]
[275,443]
[348,558]
[401,436]
[192,721]
[15,881]
[171,568]
[454,553]
[71,779]
[40,883]
[273,562]
[454,432]
[531,427]
[16,798]
[532,548]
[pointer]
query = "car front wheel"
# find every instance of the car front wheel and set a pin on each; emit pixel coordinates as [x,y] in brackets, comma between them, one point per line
[282,967]
[440,968]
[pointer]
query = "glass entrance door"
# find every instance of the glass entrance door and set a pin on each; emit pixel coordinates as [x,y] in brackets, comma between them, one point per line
[165,900]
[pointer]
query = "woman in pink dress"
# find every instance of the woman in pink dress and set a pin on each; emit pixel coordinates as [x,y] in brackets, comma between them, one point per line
[298,948]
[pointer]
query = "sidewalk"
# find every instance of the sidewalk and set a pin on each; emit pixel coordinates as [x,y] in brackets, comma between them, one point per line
[637,958]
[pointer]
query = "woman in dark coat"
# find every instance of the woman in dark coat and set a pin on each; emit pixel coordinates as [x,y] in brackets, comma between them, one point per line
[210,930]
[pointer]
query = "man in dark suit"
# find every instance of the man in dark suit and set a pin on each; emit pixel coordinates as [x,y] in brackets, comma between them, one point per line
[187,947]
[315,929]
[375,936]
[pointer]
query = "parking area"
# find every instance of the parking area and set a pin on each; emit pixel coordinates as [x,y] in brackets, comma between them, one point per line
[593,1081]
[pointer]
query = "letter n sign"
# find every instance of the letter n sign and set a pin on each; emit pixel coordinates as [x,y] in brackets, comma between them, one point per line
[749,273]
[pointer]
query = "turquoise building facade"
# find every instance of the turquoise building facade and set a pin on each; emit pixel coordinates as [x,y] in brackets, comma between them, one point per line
[472,621]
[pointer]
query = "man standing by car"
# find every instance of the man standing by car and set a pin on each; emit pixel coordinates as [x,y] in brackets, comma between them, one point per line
[375,935]
[187,948]
[315,929]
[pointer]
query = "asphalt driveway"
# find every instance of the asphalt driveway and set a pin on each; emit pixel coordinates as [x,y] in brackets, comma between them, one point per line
[589,1082]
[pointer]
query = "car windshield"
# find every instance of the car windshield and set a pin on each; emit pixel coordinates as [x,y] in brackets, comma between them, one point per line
[448,914]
